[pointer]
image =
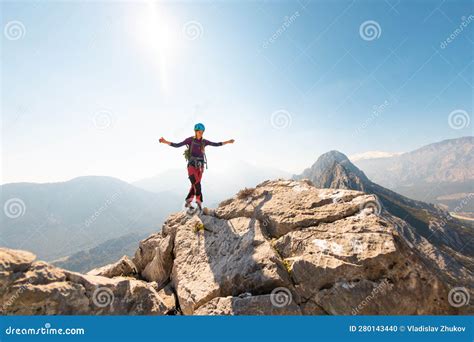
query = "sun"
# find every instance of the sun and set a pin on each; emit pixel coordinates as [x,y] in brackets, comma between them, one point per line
[155,31]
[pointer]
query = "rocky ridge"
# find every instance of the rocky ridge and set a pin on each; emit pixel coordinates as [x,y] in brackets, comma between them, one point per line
[283,247]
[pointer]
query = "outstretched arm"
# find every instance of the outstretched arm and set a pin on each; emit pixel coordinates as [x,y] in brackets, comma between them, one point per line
[182,143]
[210,143]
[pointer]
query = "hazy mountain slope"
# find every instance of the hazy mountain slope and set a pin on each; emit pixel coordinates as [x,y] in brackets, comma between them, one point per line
[77,215]
[103,254]
[429,173]
[446,161]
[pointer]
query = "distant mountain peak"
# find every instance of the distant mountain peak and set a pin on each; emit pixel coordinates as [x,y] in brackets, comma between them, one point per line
[334,170]
[334,155]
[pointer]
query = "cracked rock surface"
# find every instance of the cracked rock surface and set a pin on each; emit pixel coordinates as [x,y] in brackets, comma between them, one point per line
[284,247]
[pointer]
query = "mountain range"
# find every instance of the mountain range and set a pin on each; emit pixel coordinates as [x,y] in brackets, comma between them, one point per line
[102,254]
[441,173]
[55,220]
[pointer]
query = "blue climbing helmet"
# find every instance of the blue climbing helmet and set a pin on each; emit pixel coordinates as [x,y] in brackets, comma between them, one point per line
[199,127]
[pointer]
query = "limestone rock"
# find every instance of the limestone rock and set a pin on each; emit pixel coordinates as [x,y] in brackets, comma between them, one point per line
[159,268]
[29,287]
[253,305]
[283,247]
[15,261]
[168,296]
[123,267]
[226,258]
[146,251]
[282,206]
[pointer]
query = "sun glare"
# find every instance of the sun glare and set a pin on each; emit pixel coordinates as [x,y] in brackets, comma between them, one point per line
[155,37]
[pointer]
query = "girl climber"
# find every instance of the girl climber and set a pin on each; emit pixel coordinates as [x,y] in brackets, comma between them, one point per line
[196,158]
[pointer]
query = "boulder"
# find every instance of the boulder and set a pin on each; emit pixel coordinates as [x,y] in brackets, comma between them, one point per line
[12,261]
[224,258]
[167,294]
[29,287]
[146,251]
[159,268]
[283,206]
[124,267]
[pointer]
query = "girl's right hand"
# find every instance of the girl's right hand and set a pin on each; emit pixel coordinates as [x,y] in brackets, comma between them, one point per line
[163,140]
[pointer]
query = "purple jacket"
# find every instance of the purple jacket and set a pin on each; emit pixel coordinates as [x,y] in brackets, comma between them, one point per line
[196,149]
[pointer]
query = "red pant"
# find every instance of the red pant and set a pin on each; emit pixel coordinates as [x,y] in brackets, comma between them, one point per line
[195,176]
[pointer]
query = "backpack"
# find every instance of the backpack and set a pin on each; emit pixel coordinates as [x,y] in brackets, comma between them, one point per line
[187,152]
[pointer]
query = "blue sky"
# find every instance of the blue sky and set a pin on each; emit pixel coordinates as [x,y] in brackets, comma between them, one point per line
[89,87]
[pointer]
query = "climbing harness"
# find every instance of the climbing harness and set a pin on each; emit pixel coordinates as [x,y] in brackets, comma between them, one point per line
[198,162]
